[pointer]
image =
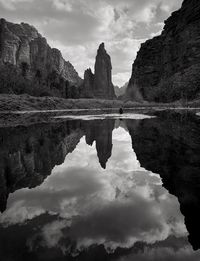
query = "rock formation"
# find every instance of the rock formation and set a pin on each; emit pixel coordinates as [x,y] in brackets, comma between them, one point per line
[87,88]
[23,47]
[169,145]
[99,85]
[167,67]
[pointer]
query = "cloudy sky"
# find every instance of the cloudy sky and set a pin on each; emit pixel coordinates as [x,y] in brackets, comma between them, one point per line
[77,27]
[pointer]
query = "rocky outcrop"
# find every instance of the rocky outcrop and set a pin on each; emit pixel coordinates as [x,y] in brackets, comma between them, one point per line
[99,84]
[23,47]
[167,67]
[87,88]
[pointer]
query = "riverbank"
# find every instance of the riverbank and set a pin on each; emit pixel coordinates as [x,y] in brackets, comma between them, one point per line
[26,102]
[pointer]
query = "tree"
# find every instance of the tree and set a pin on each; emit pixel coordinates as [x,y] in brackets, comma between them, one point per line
[24,68]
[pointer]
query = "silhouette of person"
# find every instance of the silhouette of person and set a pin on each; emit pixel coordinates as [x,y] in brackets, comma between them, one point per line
[121,111]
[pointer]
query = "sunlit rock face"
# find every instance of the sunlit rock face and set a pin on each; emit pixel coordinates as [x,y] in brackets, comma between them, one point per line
[28,155]
[21,45]
[170,145]
[100,83]
[167,67]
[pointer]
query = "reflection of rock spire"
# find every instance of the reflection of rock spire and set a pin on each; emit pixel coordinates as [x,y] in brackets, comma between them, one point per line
[101,132]
[167,146]
[104,146]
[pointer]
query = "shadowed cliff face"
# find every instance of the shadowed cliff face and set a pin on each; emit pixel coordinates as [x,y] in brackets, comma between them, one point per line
[170,146]
[28,154]
[167,67]
[99,85]
[103,87]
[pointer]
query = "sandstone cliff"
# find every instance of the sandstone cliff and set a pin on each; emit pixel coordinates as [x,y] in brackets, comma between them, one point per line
[99,85]
[167,67]
[24,48]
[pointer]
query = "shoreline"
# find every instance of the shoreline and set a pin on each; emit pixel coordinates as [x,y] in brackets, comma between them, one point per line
[25,110]
[26,103]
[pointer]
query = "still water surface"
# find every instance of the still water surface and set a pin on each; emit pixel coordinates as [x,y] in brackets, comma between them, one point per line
[104,189]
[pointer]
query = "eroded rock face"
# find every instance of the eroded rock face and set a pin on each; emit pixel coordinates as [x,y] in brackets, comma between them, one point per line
[87,88]
[22,46]
[167,67]
[100,84]
[103,87]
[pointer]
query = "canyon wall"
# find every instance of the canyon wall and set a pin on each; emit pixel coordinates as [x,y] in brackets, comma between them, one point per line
[167,67]
[24,52]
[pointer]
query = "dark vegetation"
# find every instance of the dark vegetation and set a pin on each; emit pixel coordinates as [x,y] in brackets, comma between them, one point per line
[173,89]
[20,80]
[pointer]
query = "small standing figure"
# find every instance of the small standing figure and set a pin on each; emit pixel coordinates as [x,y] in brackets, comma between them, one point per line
[121,111]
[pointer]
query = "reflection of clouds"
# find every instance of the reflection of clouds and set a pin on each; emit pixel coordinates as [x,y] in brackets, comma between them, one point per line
[165,254]
[19,212]
[116,207]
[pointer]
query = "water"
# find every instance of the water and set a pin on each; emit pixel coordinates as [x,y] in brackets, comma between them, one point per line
[101,189]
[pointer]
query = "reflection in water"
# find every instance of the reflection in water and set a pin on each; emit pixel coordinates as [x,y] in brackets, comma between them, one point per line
[102,200]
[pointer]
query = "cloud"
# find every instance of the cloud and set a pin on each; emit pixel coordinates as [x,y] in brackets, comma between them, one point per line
[80,26]
[183,253]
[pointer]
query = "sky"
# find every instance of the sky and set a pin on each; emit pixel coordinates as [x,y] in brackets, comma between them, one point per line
[77,27]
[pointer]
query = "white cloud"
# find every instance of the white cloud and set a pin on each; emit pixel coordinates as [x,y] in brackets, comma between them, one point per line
[63,5]
[11,4]
[78,27]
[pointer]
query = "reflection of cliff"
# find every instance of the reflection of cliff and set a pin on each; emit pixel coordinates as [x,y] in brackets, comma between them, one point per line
[101,132]
[170,146]
[28,155]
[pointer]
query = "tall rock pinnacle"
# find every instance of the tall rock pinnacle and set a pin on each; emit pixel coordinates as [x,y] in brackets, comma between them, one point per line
[101,80]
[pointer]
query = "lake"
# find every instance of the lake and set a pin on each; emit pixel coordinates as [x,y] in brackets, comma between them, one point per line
[101,188]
